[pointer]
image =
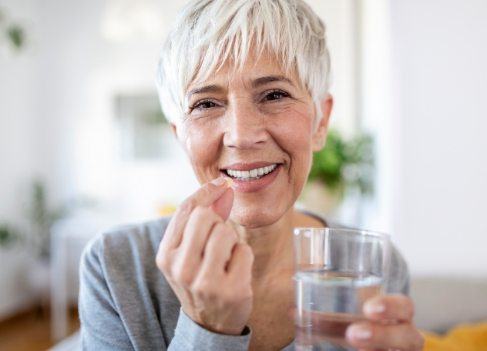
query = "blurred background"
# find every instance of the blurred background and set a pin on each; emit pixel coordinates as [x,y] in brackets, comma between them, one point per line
[84,146]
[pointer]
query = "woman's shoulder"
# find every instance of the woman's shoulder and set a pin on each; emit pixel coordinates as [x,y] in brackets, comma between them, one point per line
[119,280]
[126,251]
[137,239]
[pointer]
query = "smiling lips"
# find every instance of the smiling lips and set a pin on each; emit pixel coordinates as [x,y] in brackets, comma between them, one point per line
[251,177]
[252,174]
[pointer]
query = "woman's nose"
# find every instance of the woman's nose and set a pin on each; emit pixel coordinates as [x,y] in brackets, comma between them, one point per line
[244,127]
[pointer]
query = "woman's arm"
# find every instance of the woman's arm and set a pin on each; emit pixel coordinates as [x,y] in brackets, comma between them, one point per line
[101,326]
[109,322]
[190,336]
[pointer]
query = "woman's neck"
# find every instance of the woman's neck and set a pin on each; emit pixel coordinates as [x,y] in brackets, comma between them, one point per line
[272,245]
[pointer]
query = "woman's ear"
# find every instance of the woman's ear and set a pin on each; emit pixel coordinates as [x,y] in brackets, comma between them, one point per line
[174,130]
[320,131]
[177,133]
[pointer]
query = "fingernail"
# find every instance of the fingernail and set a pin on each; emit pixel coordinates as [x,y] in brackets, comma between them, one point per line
[219,181]
[359,333]
[374,308]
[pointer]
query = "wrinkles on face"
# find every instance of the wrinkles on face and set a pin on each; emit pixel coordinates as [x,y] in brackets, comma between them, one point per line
[202,149]
[256,114]
[293,136]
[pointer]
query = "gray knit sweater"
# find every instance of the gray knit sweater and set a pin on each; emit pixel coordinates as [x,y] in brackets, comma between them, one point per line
[126,304]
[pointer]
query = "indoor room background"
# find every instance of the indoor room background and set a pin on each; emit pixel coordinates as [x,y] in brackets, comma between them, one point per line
[84,144]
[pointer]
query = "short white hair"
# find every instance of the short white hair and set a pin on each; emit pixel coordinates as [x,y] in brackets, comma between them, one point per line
[209,33]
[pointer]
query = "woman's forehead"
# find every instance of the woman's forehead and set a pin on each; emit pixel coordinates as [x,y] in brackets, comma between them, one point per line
[253,73]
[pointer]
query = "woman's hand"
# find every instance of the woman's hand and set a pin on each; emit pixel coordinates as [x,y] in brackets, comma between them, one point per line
[206,266]
[389,326]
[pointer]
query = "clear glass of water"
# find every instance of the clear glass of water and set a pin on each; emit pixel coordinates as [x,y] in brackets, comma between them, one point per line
[337,270]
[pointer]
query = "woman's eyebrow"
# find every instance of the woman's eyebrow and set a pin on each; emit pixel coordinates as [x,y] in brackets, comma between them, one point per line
[213,88]
[270,79]
[205,89]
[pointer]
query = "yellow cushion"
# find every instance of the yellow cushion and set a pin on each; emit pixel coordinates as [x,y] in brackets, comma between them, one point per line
[470,337]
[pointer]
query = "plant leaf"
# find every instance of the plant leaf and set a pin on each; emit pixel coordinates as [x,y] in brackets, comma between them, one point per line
[16,36]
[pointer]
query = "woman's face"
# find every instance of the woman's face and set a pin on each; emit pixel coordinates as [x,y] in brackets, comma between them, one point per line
[255,126]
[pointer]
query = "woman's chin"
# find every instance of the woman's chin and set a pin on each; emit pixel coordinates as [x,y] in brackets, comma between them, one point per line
[254,217]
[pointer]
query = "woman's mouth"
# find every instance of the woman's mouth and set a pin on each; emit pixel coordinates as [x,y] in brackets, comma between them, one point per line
[252,177]
[252,174]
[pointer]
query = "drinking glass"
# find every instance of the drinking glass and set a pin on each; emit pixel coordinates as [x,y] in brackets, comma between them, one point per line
[336,271]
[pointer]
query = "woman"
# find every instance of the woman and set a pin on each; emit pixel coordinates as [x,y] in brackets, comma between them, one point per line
[244,84]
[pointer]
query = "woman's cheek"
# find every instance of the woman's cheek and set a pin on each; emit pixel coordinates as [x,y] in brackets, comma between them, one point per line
[201,145]
[293,135]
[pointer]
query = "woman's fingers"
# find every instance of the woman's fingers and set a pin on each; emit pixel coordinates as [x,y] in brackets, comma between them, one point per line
[190,252]
[397,308]
[223,205]
[388,327]
[194,254]
[240,264]
[367,335]
[199,225]
[219,248]
[239,269]
[204,196]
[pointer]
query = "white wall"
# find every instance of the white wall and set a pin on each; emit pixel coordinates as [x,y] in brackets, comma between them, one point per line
[340,18]
[88,68]
[87,62]
[376,108]
[57,122]
[440,77]
[57,111]
[18,162]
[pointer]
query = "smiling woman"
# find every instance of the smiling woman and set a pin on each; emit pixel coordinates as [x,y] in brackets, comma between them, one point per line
[245,120]
[245,87]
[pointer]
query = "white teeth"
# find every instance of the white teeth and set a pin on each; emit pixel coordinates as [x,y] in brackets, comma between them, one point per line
[252,174]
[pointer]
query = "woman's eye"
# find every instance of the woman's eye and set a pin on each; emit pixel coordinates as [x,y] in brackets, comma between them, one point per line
[275,95]
[203,105]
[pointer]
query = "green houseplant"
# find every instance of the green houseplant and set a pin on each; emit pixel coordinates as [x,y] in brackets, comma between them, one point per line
[8,236]
[14,35]
[10,31]
[343,165]
[43,216]
[42,219]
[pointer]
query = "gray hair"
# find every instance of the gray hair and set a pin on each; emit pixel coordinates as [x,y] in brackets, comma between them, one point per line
[209,33]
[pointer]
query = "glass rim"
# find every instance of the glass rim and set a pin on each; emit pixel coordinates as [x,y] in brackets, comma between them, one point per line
[351,231]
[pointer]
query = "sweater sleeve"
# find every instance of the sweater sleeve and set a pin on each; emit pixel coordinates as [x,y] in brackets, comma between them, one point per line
[191,336]
[101,326]
[398,275]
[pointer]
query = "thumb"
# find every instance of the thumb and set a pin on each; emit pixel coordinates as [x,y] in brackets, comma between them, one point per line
[223,205]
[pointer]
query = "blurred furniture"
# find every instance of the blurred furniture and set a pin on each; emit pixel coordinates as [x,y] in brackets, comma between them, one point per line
[468,337]
[68,239]
[71,343]
[444,302]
